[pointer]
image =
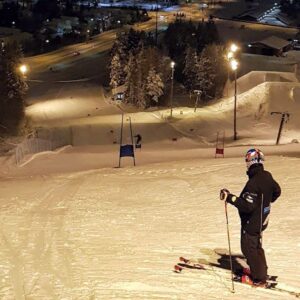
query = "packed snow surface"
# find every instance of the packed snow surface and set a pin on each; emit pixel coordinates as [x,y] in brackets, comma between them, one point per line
[74,226]
[116,233]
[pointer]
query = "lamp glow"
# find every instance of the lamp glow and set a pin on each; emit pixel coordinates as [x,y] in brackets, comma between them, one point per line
[23,69]
[229,55]
[234,64]
[234,47]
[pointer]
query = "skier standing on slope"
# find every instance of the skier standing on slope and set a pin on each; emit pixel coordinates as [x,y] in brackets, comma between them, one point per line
[138,142]
[254,206]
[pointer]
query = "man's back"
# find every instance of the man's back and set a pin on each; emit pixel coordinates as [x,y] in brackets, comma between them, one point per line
[267,190]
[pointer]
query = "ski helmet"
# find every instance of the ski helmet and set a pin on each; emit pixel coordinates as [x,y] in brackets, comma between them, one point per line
[254,156]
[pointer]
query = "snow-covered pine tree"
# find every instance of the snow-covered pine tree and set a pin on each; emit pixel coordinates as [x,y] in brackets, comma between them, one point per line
[206,34]
[201,36]
[116,71]
[134,81]
[134,39]
[12,88]
[206,74]
[190,68]
[154,86]
[119,60]
[221,69]
[140,80]
[212,71]
[212,34]
[130,80]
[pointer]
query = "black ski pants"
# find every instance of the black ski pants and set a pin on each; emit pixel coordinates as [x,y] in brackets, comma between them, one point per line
[251,246]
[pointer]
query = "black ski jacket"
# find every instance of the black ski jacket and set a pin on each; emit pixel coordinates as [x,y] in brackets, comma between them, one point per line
[254,202]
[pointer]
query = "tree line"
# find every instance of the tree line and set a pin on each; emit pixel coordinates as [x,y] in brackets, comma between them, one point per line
[139,66]
[143,67]
[199,56]
[12,89]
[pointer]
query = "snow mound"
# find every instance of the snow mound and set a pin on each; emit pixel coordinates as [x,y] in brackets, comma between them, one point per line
[78,122]
[255,124]
[254,121]
[254,78]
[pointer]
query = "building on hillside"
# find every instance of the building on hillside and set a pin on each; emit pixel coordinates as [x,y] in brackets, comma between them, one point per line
[98,21]
[8,35]
[272,46]
[61,26]
[285,19]
[267,13]
[252,15]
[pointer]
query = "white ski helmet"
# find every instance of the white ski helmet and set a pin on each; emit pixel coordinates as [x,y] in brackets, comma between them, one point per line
[254,156]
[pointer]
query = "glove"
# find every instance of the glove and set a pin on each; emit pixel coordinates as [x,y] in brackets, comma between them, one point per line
[224,194]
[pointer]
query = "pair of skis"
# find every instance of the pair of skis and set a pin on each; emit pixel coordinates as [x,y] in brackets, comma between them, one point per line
[193,264]
[272,283]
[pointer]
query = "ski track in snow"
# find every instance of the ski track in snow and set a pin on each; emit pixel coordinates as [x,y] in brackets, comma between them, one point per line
[117,233]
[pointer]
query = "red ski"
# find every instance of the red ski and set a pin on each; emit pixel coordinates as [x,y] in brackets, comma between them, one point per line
[188,264]
[272,284]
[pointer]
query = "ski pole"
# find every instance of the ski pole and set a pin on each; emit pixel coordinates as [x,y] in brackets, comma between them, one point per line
[228,236]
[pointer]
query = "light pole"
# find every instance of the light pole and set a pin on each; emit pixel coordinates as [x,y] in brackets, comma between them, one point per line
[234,65]
[230,55]
[198,93]
[233,48]
[172,83]
[156,23]
[229,58]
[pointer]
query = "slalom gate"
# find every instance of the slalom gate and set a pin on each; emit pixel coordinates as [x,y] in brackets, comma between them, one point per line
[126,149]
[220,144]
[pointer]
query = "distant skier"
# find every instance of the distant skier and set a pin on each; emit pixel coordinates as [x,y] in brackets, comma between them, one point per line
[254,206]
[138,141]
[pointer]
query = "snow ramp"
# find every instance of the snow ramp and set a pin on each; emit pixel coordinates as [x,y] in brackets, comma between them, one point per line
[254,119]
[254,78]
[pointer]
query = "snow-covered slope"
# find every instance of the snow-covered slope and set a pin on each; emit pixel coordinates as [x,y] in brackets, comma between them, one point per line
[79,100]
[84,120]
[254,121]
[75,227]
[254,78]
[116,233]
